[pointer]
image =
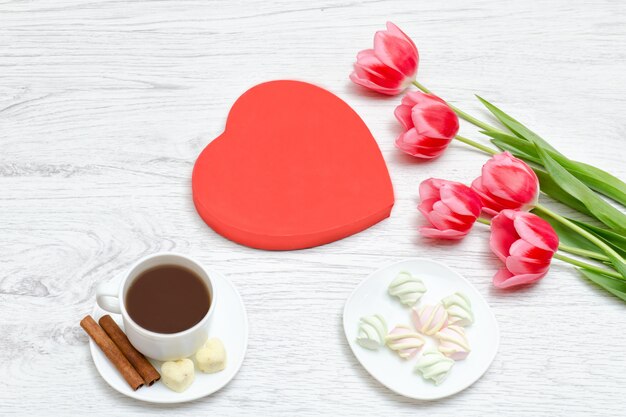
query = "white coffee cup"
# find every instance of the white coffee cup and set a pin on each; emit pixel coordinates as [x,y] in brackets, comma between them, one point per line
[111,297]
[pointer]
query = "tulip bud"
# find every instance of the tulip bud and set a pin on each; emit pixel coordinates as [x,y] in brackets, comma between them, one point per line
[507,183]
[450,207]
[391,66]
[525,243]
[429,123]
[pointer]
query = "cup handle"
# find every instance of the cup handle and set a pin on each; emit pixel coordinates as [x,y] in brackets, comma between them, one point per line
[107,296]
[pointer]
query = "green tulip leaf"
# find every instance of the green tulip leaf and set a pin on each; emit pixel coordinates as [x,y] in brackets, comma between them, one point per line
[616,241]
[615,286]
[601,209]
[554,190]
[516,127]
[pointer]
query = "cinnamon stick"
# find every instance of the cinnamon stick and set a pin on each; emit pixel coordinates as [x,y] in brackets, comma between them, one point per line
[148,372]
[112,352]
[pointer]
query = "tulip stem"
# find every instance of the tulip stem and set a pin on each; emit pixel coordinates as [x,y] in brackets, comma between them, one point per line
[421,87]
[476,145]
[584,252]
[461,113]
[613,256]
[483,221]
[585,265]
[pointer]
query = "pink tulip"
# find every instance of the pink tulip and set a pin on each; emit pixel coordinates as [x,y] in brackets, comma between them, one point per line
[429,123]
[525,243]
[506,183]
[391,66]
[450,207]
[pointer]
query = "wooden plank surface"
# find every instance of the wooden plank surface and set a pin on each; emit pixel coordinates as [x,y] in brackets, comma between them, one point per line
[104,106]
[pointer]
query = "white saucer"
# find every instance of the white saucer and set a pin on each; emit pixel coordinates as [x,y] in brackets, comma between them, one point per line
[229,323]
[371,297]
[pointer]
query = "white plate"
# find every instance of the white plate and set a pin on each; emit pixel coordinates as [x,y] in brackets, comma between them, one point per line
[370,297]
[229,323]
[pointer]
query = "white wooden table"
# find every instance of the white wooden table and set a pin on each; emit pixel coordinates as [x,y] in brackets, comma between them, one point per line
[104,106]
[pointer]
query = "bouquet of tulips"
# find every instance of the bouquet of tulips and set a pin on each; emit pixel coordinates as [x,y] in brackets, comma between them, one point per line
[525,235]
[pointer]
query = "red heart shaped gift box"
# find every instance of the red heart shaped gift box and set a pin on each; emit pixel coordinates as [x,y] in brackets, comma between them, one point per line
[296,167]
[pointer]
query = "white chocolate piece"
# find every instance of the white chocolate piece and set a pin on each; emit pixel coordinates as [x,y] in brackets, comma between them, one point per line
[178,375]
[372,332]
[407,288]
[211,357]
[459,309]
[405,341]
[430,318]
[453,342]
[434,365]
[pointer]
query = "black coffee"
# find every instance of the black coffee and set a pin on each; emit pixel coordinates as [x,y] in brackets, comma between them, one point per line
[167,299]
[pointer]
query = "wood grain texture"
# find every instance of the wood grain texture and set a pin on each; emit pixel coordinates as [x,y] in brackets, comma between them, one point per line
[104,106]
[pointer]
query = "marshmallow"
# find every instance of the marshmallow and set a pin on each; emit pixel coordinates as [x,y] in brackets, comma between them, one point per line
[407,288]
[434,365]
[372,332]
[405,341]
[459,309]
[453,342]
[430,318]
